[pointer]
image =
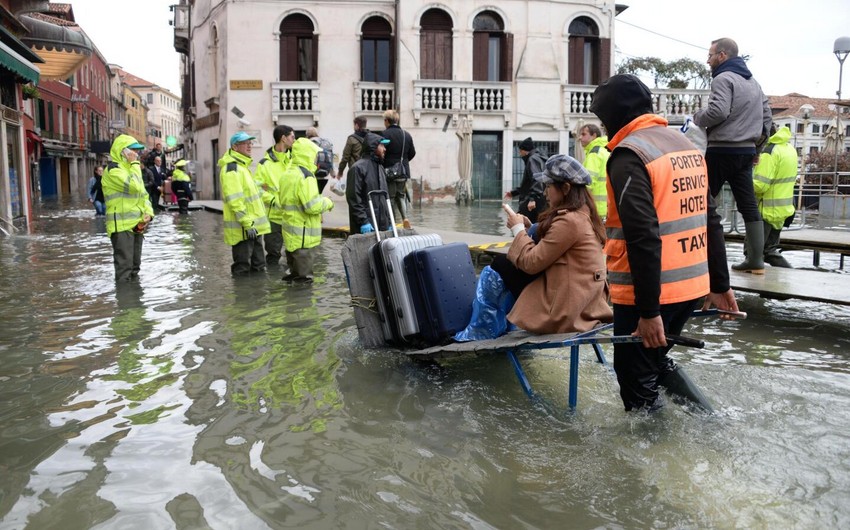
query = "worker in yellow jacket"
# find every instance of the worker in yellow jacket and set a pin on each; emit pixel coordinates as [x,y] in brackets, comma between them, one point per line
[245,219]
[302,206]
[774,178]
[595,159]
[128,207]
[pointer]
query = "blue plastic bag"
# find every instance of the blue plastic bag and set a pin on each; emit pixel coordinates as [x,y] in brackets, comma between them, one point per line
[493,301]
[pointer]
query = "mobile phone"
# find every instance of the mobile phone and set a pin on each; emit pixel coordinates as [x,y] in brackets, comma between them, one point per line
[508,209]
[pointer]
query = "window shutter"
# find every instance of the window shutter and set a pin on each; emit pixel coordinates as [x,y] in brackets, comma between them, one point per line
[604,61]
[479,55]
[314,70]
[507,52]
[428,55]
[576,58]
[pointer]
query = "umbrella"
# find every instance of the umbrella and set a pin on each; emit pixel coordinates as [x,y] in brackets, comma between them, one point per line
[464,163]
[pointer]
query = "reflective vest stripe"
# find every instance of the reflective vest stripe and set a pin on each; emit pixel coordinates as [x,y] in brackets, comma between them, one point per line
[679,184]
[778,202]
[233,224]
[234,196]
[299,230]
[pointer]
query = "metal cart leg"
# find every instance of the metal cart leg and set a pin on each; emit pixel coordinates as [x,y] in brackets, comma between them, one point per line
[573,376]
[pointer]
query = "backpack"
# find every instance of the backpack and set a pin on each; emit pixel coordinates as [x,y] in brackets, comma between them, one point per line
[325,157]
[365,150]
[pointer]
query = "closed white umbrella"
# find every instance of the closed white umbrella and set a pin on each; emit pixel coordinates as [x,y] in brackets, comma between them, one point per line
[464,163]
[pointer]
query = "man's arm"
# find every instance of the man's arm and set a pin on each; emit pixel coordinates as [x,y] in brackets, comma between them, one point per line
[634,199]
[719,103]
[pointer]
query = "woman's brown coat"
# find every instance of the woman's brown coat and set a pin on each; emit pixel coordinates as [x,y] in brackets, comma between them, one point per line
[571,294]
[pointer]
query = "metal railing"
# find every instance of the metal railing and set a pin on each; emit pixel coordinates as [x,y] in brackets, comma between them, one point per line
[814,190]
[672,103]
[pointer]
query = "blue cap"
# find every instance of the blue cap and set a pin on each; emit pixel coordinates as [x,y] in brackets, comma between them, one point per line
[241,136]
[136,145]
[563,168]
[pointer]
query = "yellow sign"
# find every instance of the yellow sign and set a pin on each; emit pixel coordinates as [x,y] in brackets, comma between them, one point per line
[246,84]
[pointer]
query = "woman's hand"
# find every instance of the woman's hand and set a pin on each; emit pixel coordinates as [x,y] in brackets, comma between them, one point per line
[517,219]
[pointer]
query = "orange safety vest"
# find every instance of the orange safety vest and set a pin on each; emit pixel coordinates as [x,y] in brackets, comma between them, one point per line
[679,180]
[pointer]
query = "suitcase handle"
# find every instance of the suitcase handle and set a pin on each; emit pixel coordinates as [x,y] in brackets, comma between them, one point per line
[375,217]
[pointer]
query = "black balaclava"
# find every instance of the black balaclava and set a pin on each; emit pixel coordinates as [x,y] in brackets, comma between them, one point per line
[619,100]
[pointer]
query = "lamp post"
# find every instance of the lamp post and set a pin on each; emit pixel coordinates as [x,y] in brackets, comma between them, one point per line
[841,49]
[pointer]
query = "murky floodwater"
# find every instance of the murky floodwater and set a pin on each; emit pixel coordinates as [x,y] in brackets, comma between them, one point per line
[195,401]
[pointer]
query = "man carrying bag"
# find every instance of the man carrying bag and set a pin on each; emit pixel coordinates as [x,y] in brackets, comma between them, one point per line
[400,152]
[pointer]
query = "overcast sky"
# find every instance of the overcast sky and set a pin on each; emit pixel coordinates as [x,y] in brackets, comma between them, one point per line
[789,42]
[134,35]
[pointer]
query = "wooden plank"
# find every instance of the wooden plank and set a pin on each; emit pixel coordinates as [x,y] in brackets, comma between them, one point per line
[820,286]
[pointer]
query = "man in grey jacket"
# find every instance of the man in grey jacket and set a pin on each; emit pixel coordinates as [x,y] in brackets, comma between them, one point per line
[737,120]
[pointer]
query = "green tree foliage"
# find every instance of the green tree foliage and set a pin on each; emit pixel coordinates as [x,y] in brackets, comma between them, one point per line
[681,73]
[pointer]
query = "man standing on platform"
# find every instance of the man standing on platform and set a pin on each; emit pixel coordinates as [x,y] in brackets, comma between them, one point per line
[665,248]
[159,176]
[245,219]
[353,146]
[737,120]
[773,181]
[532,199]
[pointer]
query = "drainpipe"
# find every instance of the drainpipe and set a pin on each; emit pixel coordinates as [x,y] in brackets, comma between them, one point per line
[396,95]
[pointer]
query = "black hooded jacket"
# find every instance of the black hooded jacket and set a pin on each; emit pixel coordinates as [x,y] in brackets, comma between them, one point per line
[367,174]
[618,102]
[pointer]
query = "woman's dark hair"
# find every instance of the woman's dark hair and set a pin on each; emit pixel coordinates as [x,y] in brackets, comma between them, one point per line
[574,198]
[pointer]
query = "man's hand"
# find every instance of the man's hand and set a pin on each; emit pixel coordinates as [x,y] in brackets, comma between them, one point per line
[251,233]
[507,195]
[531,205]
[651,330]
[367,228]
[725,301]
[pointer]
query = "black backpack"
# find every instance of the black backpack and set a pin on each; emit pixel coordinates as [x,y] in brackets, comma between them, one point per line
[325,158]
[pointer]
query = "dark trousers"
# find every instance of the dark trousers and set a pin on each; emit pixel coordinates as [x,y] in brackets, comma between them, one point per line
[155,195]
[640,370]
[127,254]
[248,257]
[737,170]
[515,279]
[273,242]
[398,196]
[531,214]
[300,262]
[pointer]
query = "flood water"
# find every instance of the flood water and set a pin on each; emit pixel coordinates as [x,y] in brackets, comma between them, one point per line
[198,401]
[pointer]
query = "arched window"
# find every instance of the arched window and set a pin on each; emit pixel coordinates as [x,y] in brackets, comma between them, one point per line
[435,45]
[589,55]
[376,51]
[492,48]
[299,49]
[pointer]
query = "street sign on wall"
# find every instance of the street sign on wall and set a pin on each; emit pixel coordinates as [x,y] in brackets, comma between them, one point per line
[116,124]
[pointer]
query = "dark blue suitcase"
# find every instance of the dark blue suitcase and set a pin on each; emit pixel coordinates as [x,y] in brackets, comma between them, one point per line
[442,284]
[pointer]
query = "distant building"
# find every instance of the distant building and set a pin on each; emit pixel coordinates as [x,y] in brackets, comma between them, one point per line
[512,69]
[810,126]
[164,110]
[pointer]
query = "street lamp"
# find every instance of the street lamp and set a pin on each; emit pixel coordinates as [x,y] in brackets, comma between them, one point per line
[841,49]
[806,111]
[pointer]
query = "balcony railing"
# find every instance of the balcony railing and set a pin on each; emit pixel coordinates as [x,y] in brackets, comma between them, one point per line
[430,95]
[373,97]
[295,98]
[674,104]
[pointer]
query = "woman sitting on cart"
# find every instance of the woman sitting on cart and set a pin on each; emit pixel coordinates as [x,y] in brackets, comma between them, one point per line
[557,273]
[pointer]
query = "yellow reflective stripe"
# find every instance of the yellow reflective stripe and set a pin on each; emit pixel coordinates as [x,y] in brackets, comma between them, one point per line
[233,197]
[298,230]
[292,208]
[122,195]
[233,224]
[315,201]
[135,214]
[778,202]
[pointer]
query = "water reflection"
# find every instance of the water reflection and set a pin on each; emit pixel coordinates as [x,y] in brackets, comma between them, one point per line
[198,400]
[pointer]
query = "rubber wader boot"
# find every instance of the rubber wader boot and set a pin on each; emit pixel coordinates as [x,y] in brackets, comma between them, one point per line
[754,243]
[679,384]
[777,260]
[772,255]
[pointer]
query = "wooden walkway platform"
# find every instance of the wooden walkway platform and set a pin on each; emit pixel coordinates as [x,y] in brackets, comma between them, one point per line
[819,286]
